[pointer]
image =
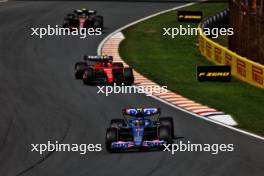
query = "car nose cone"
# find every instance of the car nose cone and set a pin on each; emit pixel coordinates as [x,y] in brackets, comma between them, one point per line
[138,135]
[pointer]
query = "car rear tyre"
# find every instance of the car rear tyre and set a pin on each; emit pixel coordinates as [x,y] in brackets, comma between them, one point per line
[70,16]
[164,133]
[167,121]
[118,65]
[66,23]
[88,76]
[79,69]
[128,76]
[98,21]
[110,137]
[117,123]
[118,78]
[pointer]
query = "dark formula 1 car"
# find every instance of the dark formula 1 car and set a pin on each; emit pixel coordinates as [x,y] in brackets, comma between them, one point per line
[102,69]
[83,19]
[139,131]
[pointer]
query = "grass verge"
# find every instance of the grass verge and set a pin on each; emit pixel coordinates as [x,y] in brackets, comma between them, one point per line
[172,62]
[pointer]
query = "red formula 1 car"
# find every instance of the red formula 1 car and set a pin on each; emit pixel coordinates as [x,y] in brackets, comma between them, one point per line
[102,69]
[83,19]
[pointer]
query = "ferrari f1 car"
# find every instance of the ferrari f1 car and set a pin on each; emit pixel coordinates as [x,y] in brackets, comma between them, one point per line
[137,130]
[83,19]
[102,69]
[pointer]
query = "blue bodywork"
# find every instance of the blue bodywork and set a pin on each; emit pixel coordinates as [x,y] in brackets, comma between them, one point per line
[138,123]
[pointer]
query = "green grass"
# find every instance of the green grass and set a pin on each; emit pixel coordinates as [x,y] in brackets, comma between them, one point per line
[172,62]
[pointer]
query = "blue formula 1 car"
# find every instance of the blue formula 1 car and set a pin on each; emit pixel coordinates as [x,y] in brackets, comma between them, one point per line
[139,130]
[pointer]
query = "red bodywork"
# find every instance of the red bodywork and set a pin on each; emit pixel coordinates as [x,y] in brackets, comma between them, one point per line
[107,68]
[81,21]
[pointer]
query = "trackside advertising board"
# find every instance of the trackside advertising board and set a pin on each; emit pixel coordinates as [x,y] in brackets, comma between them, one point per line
[190,16]
[241,67]
[214,73]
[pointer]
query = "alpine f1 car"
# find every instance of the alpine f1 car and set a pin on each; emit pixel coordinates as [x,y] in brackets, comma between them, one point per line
[137,130]
[83,18]
[102,69]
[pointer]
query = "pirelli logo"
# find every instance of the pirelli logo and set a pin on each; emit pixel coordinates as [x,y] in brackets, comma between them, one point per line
[218,52]
[190,16]
[228,59]
[208,49]
[241,68]
[202,47]
[257,75]
[214,73]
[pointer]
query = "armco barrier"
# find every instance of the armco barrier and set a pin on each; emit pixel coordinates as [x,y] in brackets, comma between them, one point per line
[241,67]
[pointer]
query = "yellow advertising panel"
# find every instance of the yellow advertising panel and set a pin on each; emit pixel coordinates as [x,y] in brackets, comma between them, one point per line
[241,67]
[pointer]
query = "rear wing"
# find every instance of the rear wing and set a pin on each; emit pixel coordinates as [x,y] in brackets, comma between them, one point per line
[92,12]
[78,11]
[141,112]
[99,58]
[85,11]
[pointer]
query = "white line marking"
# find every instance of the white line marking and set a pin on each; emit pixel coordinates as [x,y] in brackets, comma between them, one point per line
[3,1]
[99,49]
[211,113]
[225,118]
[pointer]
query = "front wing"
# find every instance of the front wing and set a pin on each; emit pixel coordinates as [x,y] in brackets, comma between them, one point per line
[130,144]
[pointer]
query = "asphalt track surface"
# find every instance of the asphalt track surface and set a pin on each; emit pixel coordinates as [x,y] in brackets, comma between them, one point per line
[40,100]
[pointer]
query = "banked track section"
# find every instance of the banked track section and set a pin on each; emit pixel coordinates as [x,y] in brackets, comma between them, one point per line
[41,101]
